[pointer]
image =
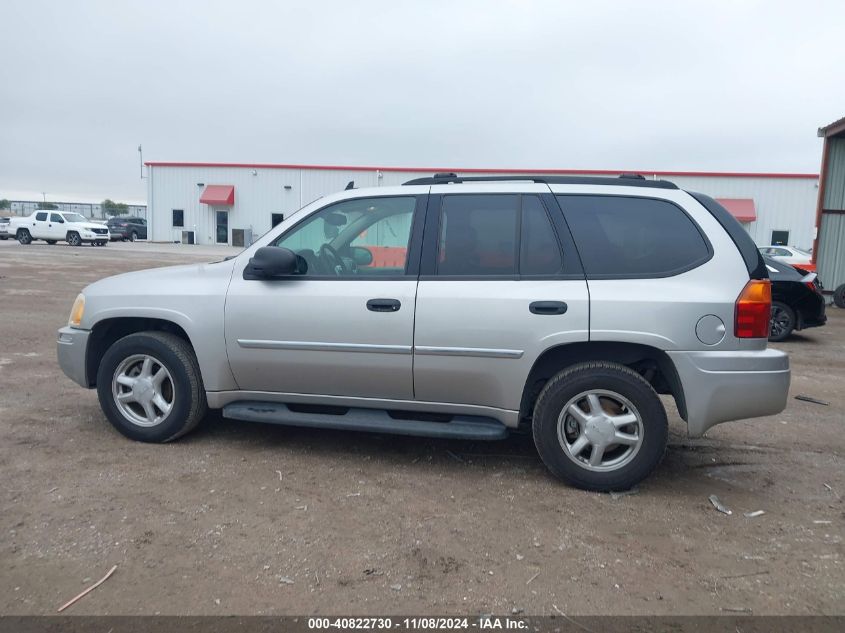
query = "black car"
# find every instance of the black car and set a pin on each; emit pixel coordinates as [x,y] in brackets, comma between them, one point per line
[127,228]
[797,300]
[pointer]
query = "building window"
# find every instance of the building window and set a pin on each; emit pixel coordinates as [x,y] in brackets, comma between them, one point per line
[178,217]
[276,218]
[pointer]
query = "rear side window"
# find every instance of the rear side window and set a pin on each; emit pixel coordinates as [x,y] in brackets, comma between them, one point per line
[41,217]
[478,235]
[628,237]
[495,235]
[539,251]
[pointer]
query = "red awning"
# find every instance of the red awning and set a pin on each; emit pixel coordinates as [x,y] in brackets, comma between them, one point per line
[741,208]
[218,195]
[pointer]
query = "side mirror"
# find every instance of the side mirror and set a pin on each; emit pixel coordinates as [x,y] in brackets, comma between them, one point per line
[273,262]
[361,256]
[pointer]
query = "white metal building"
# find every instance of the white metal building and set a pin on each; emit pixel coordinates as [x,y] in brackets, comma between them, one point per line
[228,203]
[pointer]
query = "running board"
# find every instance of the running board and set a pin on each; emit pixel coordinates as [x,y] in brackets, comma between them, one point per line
[372,420]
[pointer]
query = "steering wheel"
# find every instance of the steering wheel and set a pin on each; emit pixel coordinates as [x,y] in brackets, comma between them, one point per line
[333,261]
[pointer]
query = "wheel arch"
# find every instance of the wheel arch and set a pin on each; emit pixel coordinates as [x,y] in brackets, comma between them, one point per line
[107,331]
[651,363]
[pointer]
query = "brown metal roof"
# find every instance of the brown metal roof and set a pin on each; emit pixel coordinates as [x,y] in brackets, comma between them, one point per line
[833,129]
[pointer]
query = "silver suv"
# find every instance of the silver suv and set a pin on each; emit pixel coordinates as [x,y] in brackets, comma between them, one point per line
[456,308]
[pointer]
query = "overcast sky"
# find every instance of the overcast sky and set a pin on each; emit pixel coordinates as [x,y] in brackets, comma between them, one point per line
[733,86]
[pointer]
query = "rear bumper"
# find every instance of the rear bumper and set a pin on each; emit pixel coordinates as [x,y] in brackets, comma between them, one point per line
[72,348]
[723,386]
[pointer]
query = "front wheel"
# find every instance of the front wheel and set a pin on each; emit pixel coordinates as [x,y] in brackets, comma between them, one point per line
[600,426]
[782,322]
[133,236]
[24,236]
[150,387]
[73,239]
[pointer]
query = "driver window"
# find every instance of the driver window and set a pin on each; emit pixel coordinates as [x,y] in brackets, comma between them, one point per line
[364,237]
[55,217]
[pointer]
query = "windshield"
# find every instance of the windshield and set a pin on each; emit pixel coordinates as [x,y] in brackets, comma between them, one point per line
[74,217]
[800,251]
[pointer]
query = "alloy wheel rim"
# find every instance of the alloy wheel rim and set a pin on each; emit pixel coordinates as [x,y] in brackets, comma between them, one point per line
[779,321]
[600,430]
[143,390]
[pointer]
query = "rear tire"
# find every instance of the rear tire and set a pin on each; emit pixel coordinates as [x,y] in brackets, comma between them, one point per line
[839,296]
[24,236]
[609,401]
[181,390]
[73,239]
[133,236]
[782,322]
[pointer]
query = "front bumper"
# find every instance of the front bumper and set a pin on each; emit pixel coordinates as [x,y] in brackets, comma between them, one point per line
[723,386]
[71,348]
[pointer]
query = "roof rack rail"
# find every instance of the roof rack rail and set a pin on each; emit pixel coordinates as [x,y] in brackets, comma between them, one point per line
[623,180]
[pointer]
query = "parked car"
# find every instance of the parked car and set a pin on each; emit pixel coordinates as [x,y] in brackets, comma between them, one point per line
[790,255]
[4,228]
[797,300]
[56,226]
[127,228]
[559,306]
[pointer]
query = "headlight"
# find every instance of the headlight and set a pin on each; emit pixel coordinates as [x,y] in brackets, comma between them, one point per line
[77,311]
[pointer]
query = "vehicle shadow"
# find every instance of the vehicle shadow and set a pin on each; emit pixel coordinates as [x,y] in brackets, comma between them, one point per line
[449,457]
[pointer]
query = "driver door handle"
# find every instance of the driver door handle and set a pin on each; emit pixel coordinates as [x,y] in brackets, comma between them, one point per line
[383,305]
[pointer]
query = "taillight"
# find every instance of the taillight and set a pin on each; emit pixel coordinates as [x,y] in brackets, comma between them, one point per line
[754,310]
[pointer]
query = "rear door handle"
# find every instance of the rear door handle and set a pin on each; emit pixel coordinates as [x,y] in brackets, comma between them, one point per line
[547,307]
[383,305]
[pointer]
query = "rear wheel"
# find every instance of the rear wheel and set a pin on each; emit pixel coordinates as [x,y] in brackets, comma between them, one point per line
[23,236]
[839,296]
[782,322]
[133,236]
[150,387]
[600,426]
[73,239]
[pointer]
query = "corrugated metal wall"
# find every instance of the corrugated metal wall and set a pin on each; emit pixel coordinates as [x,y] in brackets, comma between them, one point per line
[782,203]
[831,262]
[831,257]
[834,193]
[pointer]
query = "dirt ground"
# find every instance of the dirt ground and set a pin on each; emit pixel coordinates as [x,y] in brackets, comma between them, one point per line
[242,518]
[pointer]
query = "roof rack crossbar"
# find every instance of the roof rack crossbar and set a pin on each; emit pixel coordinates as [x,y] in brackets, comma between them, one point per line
[623,180]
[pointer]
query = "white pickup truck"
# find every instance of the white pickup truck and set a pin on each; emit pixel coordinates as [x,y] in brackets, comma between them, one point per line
[56,226]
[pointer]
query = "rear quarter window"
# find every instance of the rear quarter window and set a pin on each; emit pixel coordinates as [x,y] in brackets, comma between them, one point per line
[621,237]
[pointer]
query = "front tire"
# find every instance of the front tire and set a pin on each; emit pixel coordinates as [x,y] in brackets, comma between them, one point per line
[782,322]
[150,387]
[600,426]
[73,239]
[24,236]
[133,236]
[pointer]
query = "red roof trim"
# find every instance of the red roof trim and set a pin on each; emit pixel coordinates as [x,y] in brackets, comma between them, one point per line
[741,208]
[477,170]
[218,195]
